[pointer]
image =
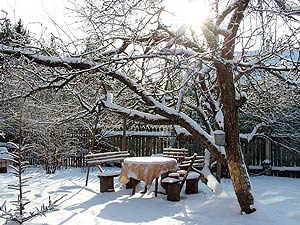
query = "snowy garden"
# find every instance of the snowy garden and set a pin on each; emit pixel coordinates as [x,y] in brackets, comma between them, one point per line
[150,112]
[277,202]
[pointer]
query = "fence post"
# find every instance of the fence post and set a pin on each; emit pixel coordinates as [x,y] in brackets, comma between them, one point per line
[124,135]
[267,161]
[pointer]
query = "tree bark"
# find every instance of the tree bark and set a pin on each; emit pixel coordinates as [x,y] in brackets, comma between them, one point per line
[236,165]
[235,160]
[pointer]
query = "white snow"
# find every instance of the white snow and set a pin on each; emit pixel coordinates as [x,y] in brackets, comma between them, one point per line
[170,180]
[220,118]
[250,136]
[140,133]
[277,202]
[193,175]
[149,160]
[4,153]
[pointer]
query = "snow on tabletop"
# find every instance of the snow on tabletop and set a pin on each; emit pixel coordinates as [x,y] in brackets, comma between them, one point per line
[148,160]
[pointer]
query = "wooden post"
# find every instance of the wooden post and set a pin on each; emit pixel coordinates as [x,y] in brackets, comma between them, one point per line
[93,141]
[87,176]
[268,149]
[218,171]
[268,156]
[124,134]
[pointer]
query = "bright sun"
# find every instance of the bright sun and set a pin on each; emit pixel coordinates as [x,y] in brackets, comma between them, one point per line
[188,12]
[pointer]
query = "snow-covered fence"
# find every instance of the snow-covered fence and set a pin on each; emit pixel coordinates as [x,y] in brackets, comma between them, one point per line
[279,155]
[260,154]
[142,143]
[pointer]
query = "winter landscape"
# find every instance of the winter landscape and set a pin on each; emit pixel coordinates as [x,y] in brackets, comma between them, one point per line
[201,94]
[277,202]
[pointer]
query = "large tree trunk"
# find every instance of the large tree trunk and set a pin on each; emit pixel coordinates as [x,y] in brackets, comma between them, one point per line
[235,160]
[237,168]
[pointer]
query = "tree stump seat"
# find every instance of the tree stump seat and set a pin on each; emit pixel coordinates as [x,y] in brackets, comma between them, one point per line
[107,181]
[172,188]
[192,181]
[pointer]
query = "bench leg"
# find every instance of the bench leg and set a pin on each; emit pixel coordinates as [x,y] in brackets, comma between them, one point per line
[106,184]
[191,186]
[87,176]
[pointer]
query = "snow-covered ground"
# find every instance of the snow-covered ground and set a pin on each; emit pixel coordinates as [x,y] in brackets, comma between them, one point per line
[277,202]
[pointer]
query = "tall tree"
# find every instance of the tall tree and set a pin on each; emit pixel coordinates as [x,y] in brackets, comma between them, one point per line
[13,35]
[151,72]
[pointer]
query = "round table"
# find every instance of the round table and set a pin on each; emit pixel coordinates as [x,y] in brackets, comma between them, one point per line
[146,169]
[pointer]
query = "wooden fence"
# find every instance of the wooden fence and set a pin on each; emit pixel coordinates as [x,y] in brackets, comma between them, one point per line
[260,154]
[281,155]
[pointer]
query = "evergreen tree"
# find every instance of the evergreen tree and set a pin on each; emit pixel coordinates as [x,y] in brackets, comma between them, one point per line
[13,35]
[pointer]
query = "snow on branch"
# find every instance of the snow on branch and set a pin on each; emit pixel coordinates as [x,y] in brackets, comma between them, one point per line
[166,114]
[132,113]
[288,8]
[68,62]
[226,12]
[250,136]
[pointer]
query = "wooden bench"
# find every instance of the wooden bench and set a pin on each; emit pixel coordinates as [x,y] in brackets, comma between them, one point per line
[183,158]
[177,153]
[106,178]
[198,163]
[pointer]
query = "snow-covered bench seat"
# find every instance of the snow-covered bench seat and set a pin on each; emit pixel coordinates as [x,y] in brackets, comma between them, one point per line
[106,178]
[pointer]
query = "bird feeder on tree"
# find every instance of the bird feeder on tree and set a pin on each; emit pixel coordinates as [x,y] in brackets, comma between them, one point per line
[219,136]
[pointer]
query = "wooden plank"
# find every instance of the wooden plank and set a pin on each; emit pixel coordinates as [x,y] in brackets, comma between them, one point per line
[97,162]
[104,154]
[176,150]
[107,157]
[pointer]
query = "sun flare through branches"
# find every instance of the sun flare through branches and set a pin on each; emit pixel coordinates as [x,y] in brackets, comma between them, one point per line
[187,12]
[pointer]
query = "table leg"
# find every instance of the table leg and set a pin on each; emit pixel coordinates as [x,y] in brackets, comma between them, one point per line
[134,183]
[145,190]
[156,186]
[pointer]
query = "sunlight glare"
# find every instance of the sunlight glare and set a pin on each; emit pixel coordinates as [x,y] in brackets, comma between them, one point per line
[188,12]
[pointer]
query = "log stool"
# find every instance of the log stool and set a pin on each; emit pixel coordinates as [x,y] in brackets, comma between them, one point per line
[192,183]
[172,188]
[107,181]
